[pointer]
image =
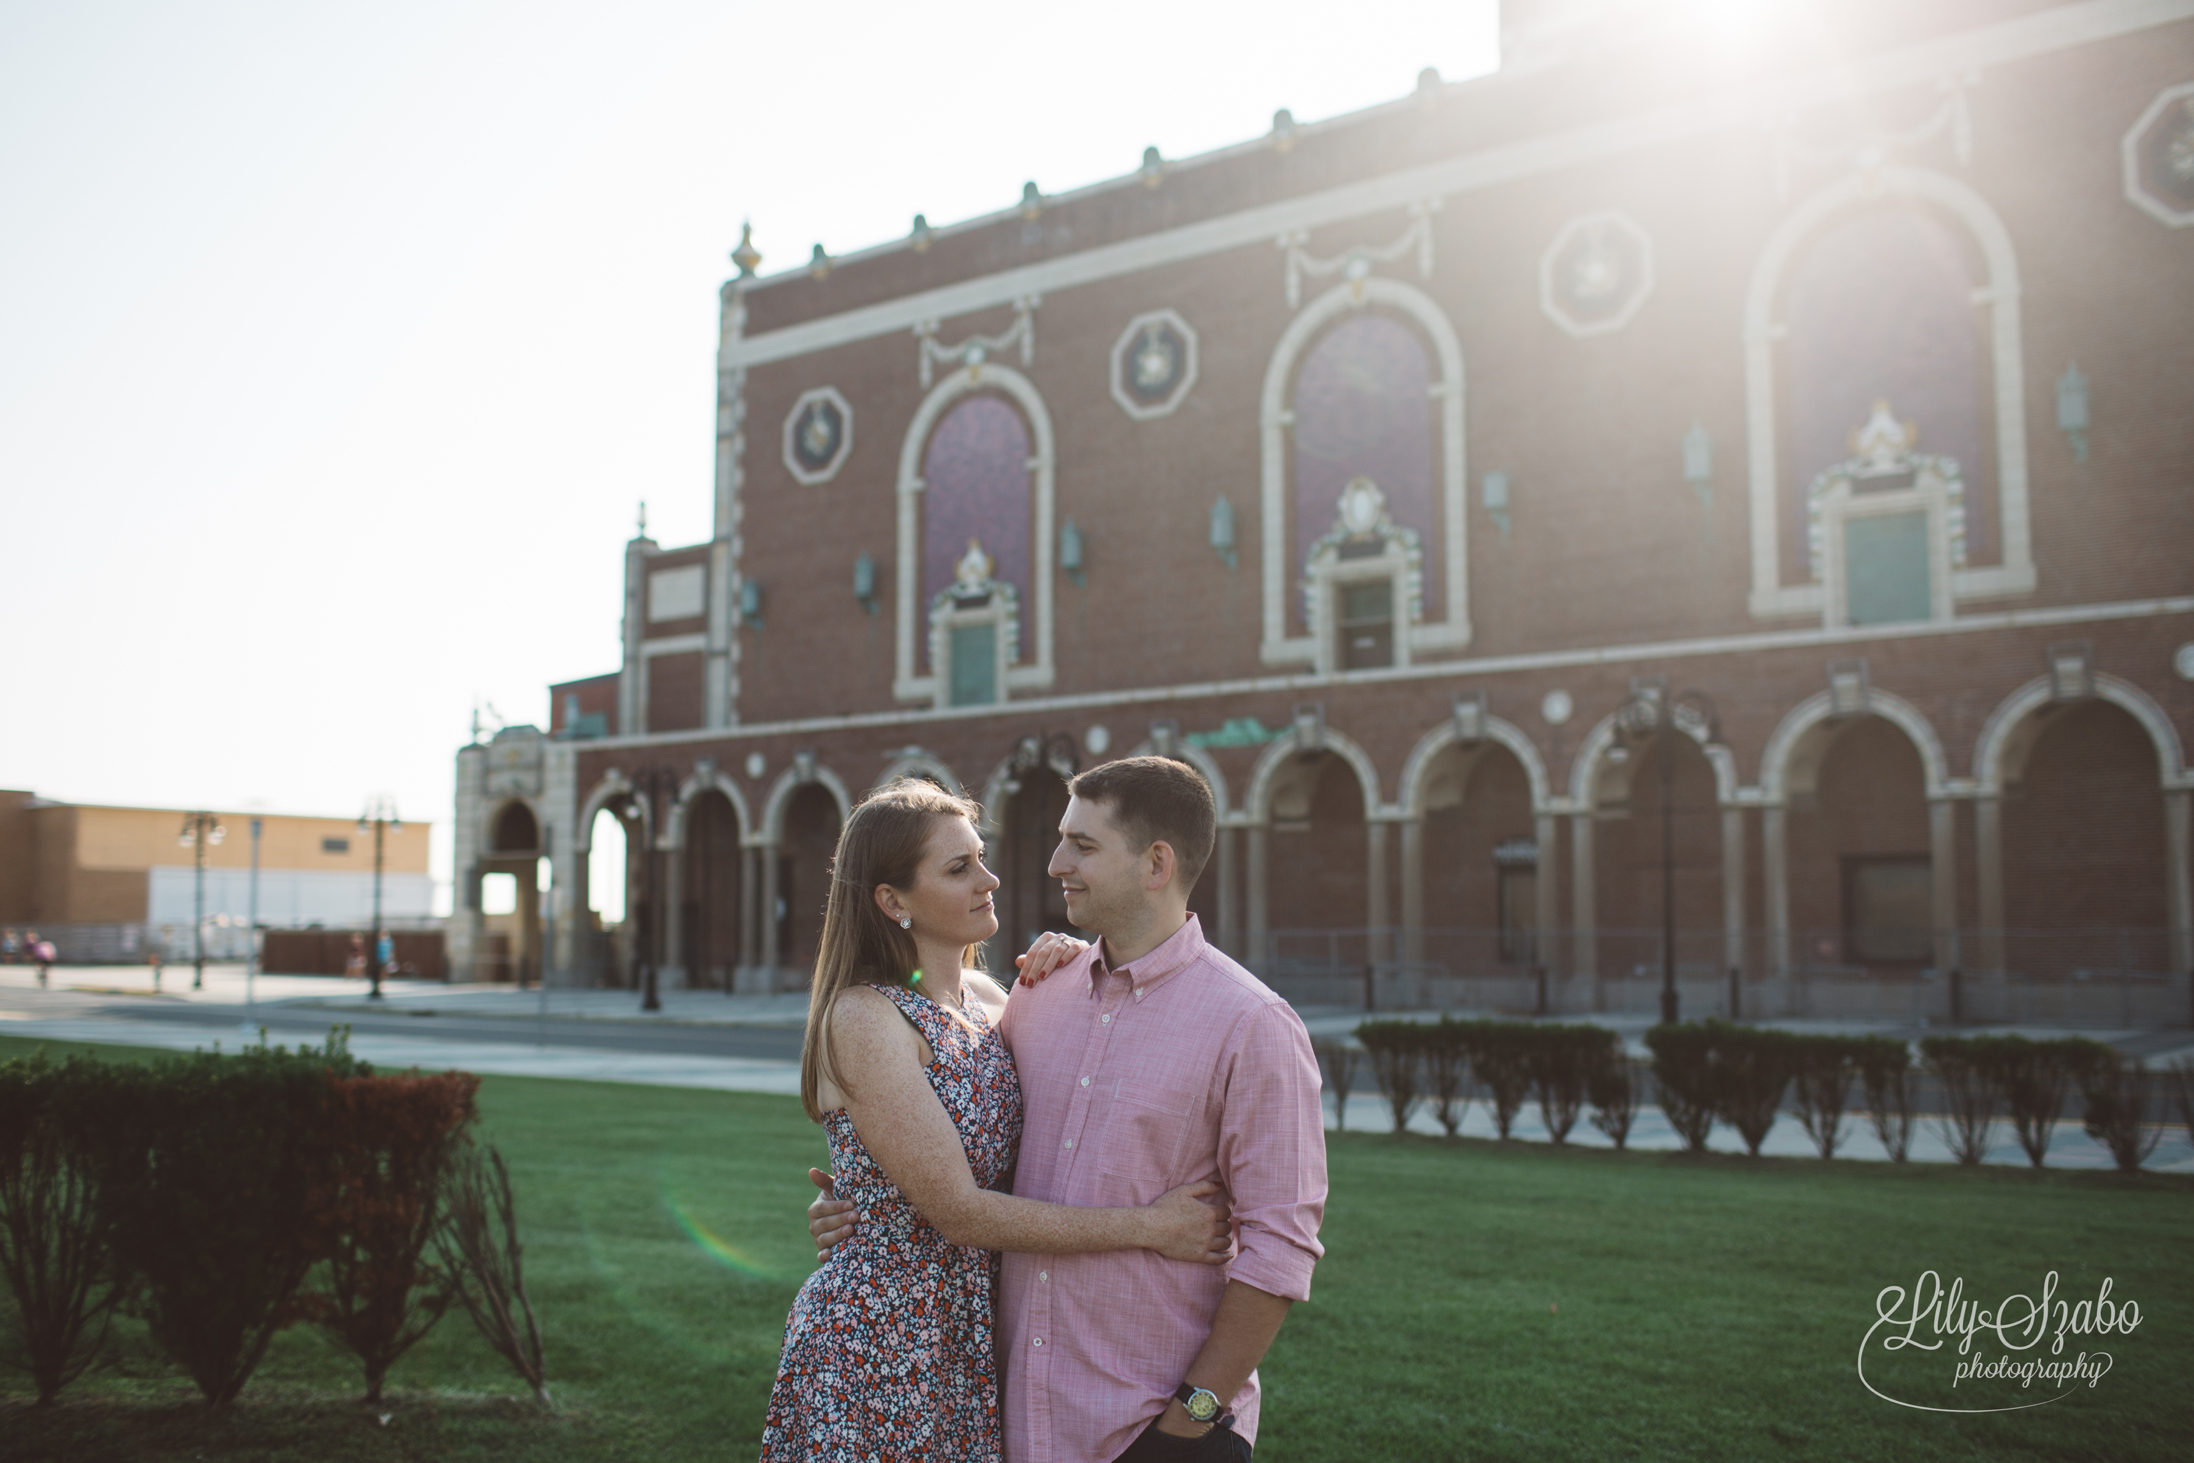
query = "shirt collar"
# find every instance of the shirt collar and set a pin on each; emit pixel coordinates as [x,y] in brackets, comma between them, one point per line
[1156,966]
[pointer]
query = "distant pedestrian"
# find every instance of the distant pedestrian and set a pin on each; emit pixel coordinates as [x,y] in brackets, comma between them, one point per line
[43,952]
[384,954]
[11,947]
[157,959]
[355,966]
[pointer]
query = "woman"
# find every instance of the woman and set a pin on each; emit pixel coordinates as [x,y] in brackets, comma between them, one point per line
[888,1348]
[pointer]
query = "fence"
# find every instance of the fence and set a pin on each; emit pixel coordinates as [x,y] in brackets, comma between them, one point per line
[2107,977]
[134,943]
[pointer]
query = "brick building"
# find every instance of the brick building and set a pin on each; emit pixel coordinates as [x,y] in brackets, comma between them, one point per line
[1638,487]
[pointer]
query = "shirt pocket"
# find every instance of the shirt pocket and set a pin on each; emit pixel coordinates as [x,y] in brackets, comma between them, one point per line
[1146,1132]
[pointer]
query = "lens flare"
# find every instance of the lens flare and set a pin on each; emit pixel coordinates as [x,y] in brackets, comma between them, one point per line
[710,1243]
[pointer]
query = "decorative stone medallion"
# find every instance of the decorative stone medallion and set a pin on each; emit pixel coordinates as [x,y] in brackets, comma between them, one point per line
[1153,364]
[2158,158]
[1596,274]
[818,435]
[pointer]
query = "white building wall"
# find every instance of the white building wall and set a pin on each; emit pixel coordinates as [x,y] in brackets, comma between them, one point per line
[287,897]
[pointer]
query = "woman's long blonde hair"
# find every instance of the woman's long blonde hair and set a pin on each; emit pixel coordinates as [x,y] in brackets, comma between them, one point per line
[882,843]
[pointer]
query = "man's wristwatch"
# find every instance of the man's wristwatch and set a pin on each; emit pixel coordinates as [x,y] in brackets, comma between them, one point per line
[1203,1406]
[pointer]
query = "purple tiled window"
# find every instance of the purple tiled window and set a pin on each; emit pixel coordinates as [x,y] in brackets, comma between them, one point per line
[1363,408]
[977,486]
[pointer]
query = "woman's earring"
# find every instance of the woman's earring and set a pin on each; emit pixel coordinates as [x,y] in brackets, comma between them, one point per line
[906,921]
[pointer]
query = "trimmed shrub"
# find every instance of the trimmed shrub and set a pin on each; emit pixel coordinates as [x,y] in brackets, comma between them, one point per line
[206,1168]
[1968,1071]
[2179,1083]
[1613,1091]
[478,1247]
[1395,1049]
[1502,1064]
[1445,1062]
[2035,1077]
[385,1144]
[1683,1074]
[53,1247]
[1885,1072]
[1749,1070]
[1561,1061]
[1339,1060]
[2116,1091]
[1821,1086]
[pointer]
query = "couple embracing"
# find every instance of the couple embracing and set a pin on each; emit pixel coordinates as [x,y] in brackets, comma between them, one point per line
[1067,1222]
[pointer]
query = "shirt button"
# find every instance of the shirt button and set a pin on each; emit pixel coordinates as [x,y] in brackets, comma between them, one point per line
[1044,1275]
[1106,1019]
[1070,1142]
[1039,1341]
[1085,1082]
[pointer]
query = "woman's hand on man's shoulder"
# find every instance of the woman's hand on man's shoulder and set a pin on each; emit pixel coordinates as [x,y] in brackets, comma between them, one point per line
[1046,953]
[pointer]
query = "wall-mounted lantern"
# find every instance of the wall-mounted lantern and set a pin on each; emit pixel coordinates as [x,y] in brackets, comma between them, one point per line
[1222,530]
[750,602]
[819,263]
[1699,464]
[864,582]
[1493,492]
[2072,410]
[1070,551]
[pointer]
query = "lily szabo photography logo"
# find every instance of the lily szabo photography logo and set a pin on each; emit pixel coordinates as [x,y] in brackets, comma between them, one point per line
[1934,1349]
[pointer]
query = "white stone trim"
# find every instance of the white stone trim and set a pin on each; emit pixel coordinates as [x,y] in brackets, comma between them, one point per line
[804,476]
[614,784]
[1142,411]
[1839,509]
[789,782]
[1194,756]
[1636,653]
[1418,769]
[1551,305]
[1277,415]
[1256,803]
[2054,29]
[1037,673]
[1999,754]
[1800,725]
[2129,151]
[2007,371]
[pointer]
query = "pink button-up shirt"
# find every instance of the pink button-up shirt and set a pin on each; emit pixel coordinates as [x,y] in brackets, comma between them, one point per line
[1182,1066]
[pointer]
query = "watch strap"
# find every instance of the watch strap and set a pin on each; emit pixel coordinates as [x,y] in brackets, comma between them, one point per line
[1187,1394]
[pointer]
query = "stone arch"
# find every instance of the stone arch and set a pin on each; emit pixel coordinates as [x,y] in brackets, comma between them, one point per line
[988,376]
[705,778]
[1280,571]
[2009,734]
[791,781]
[916,762]
[2015,575]
[1792,758]
[1411,793]
[1596,780]
[1256,803]
[614,784]
[504,831]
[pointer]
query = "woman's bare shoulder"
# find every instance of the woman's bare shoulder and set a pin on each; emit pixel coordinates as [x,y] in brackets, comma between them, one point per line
[982,988]
[863,1011]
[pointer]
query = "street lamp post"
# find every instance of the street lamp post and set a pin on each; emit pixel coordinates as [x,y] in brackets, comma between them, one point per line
[648,786]
[251,933]
[1651,718]
[380,818]
[200,832]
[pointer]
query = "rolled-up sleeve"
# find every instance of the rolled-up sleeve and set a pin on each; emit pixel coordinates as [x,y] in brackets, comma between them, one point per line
[1272,1152]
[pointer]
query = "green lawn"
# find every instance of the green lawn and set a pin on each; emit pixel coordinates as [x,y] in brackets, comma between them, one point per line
[1477,1301]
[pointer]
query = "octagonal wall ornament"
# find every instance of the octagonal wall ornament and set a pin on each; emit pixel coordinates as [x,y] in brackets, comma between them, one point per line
[2157,156]
[1154,364]
[818,435]
[1596,273]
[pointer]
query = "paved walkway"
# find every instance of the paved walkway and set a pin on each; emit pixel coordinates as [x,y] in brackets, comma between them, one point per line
[115,1005]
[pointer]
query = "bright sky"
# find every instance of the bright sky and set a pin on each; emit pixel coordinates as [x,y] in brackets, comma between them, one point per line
[337,343]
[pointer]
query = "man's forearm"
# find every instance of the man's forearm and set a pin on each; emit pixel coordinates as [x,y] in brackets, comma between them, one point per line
[1241,1334]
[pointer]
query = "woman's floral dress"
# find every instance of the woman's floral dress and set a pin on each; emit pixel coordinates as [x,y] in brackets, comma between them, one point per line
[888,1349]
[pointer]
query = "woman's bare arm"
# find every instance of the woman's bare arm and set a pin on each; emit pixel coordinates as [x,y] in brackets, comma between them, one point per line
[906,1129]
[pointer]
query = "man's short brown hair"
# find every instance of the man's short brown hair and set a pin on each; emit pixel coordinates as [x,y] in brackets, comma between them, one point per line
[1157,800]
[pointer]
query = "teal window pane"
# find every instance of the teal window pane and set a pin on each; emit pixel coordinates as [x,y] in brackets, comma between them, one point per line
[1886,569]
[974,665]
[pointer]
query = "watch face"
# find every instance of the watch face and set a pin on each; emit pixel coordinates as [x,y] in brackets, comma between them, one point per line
[1203,1406]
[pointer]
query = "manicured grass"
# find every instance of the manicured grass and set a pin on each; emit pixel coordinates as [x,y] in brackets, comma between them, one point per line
[1477,1301]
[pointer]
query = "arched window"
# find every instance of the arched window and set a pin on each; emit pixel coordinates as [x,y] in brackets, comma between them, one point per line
[974,588]
[1364,541]
[1888,458]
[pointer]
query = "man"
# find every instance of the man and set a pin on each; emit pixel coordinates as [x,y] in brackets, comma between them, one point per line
[1148,1060]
